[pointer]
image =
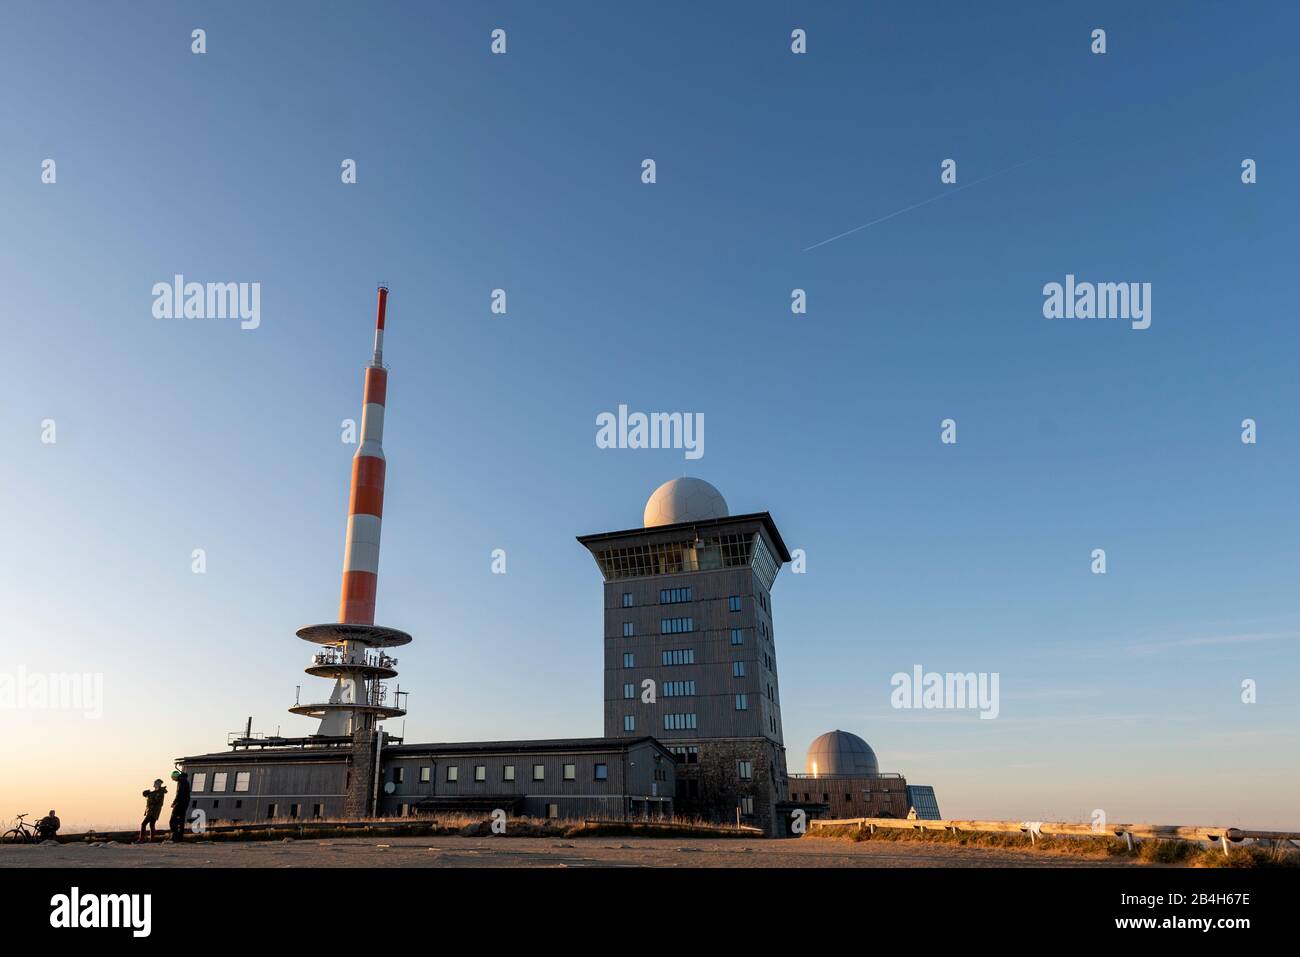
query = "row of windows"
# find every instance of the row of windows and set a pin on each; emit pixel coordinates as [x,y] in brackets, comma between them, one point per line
[674,558]
[669,689]
[552,811]
[671,722]
[673,596]
[737,638]
[272,810]
[686,689]
[569,772]
[826,798]
[676,626]
[682,656]
[690,754]
[676,654]
[219,779]
[686,656]
[217,804]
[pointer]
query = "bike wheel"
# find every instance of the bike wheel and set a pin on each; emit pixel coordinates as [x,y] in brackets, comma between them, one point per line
[15,836]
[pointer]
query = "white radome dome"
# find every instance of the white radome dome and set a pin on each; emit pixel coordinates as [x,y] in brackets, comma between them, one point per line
[684,500]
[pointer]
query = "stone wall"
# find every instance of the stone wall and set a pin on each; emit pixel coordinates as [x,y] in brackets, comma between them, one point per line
[359,792]
[718,788]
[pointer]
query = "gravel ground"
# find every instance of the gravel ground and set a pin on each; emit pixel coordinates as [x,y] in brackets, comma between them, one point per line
[536,852]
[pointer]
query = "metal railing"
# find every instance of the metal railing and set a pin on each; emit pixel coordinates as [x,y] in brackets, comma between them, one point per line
[655,824]
[834,777]
[241,739]
[337,658]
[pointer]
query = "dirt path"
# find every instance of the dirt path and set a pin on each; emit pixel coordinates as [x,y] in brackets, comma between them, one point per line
[538,852]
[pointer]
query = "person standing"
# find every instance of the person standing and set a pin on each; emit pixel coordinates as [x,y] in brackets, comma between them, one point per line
[153,802]
[180,805]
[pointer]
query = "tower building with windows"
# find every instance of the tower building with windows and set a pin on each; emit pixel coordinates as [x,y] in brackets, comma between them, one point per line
[690,650]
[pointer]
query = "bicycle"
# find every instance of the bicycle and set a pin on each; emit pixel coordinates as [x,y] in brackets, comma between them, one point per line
[22,833]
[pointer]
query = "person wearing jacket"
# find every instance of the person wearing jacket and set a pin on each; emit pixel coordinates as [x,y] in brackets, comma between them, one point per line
[153,802]
[47,828]
[180,805]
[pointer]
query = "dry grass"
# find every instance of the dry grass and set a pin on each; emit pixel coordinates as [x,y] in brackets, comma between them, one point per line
[440,824]
[468,825]
[1183,853]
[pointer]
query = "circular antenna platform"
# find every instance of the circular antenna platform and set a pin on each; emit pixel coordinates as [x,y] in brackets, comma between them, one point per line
[320,709]
[336,633]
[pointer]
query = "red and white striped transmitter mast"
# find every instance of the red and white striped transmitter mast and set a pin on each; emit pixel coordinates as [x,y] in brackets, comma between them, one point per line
[354,652]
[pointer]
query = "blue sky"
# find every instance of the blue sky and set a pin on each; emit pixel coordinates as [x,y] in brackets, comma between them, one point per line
[522,172]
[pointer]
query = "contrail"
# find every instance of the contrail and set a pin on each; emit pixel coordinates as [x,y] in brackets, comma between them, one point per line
[924,202]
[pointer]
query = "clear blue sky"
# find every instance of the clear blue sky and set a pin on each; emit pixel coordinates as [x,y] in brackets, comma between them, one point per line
[522,171]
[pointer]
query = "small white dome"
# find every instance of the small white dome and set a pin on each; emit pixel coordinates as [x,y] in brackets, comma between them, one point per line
[684,500]
[838,752]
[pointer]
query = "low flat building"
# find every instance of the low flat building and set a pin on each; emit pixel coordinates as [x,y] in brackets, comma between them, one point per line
[602,778]
[596,778]
[851,795]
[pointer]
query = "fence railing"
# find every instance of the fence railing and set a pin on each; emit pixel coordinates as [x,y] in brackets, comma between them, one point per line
[689,826]
[1037,829]
[843,777]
